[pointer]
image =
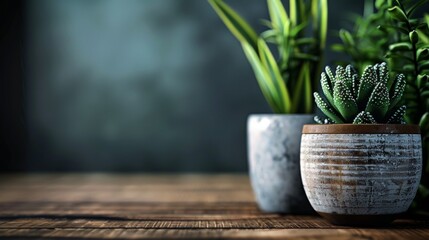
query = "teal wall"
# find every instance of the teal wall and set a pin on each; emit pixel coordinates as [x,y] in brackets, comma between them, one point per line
[154,85]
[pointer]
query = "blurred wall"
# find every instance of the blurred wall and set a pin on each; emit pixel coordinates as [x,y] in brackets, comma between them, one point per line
[154,85]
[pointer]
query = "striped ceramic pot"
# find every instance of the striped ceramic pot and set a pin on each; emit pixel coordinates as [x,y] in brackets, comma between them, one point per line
[361,174]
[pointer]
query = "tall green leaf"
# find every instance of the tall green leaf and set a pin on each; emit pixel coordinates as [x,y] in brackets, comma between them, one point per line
[302,91]
[270,64]
[320,20]
[235,23]
[293,12]
[264,80]
[278,13]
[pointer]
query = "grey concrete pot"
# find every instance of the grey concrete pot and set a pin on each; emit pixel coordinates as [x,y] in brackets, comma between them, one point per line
[273,152]
[361,174]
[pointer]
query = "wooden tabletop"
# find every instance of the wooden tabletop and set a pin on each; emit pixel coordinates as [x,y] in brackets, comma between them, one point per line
[138,206]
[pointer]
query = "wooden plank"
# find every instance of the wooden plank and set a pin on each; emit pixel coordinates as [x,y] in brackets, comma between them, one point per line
[309,234]
[104,206]
[125,188]
[160,222]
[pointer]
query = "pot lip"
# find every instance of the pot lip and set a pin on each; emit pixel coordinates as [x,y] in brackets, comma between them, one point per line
[281,115]
[360,129]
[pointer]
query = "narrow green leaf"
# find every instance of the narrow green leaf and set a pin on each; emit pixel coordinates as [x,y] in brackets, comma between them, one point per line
[297,29]
[270,35]
[338,47]
[346,37]
[270,64]
[277,13]
[323,23]
[285,44]
[266,23]
[235,23]
[293,12]
[264,80]
[305,41]
[300,90]
[308,101]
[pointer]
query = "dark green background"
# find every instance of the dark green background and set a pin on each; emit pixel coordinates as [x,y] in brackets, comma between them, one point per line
[154,85]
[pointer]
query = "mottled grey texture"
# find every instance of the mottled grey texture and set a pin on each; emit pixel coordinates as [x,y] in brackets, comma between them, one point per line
[133,85]
[273,148]
[361,174]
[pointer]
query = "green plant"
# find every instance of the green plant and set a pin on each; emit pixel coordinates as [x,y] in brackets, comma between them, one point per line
[373,98]
[400,36]
[366,44]
[288,80]
[410,53]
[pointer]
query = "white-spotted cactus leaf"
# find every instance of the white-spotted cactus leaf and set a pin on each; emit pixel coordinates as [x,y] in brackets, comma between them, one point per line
[326,88]
[378,103]
[328,121]
[398,116]
[397,90]
[349,72]
[344,101]
[366,86]
[364,118]
[355,85]
[330,76]
[382,73]
[318,120]
[375,69]
[354,99]
[340,74]
[327,109]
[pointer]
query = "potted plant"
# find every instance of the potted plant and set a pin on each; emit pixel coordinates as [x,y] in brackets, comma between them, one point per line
[287,83]
[398,32]
[364,166]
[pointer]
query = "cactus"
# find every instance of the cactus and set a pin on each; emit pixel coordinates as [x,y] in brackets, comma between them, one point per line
[364,100]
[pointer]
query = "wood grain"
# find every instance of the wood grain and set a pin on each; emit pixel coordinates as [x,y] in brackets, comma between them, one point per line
[108,206]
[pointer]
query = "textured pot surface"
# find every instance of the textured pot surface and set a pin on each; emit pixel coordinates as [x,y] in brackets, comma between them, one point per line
[350,175]
[273,152]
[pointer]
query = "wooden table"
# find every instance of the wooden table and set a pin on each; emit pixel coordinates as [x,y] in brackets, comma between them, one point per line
[104,206]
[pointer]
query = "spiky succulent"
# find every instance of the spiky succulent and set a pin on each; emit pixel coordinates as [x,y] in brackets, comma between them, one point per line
[372,98]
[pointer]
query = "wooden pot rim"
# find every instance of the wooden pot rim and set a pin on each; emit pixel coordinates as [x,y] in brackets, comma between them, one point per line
[361,129]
